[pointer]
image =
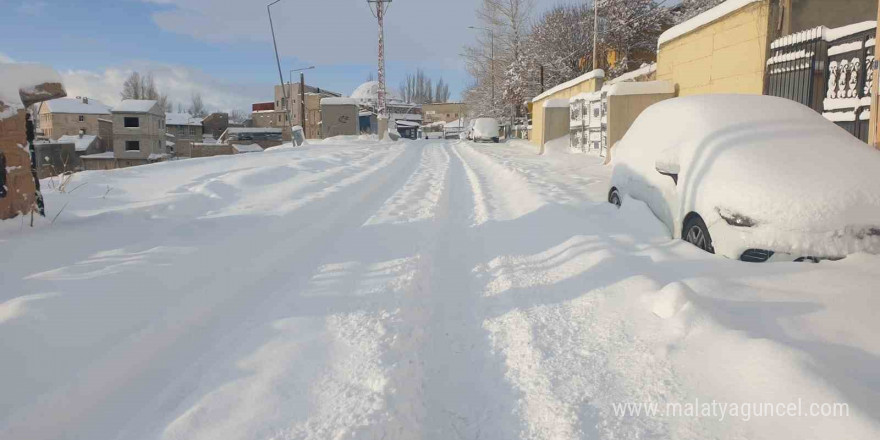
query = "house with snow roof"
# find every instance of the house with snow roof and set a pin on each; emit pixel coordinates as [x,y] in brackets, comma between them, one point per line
[185,129]
[83,143]
[70,116]
[138,133]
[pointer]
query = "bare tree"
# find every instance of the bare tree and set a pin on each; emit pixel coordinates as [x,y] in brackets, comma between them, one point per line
[138,86]
[690,8]
[197,106]
[441,94]
[417,88]
[237,116]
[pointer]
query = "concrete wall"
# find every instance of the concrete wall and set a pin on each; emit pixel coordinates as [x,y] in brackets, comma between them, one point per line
[151,135]
[105,134]
[20,189]
[554,123]
[208,150]
[624,110]
[215,124]
[55,158]
[446,112]
[538,136]
[340,120]
[725,56]
[90,164]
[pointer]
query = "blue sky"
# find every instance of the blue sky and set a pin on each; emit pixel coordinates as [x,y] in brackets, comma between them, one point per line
[223,48]
[226,44]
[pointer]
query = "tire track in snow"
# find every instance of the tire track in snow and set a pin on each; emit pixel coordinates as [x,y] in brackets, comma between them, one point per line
[418,198]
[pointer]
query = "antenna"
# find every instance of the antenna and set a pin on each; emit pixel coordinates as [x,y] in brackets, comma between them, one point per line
[379,12]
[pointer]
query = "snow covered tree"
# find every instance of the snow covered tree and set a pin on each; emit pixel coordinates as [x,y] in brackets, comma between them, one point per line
[560,40]
[500,42]
[690,8]
[630,28]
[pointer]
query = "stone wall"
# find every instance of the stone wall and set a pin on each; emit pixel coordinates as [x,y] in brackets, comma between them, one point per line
[20,190]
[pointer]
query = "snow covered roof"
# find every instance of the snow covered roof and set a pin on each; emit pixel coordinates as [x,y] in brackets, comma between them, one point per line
[18,79]
[339,101]
[231,130]
[82,106]
[598,73]
[368,92]
[182,119]
[556,103]
[251,148]
[718,12]
[82,143]
[104,155]
[135,106]
[641,88]
[645,70]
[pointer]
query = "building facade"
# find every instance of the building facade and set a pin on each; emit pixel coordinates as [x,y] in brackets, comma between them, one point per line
[186,130]
[215,124]
[443,112]
[138,133]
[72,116]
[587,83]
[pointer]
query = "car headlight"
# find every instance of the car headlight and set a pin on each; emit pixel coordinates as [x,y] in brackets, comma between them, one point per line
[736,219]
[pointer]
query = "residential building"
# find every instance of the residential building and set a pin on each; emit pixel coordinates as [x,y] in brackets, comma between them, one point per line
[443,112]
[56,157]
[72,116]
[215,124]
[138,133]
[313,95]
[367,97]
[23,86]
[186,130]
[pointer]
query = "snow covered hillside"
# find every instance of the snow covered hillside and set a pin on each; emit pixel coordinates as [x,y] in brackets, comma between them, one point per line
[409,290]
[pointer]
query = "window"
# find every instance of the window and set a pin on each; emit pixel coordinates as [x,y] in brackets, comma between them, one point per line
[132,123]
[82,118]
[279,118]
[132,145]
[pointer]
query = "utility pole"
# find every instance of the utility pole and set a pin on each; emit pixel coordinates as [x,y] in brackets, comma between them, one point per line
[595,34]
[286,105]
[381,107]
[302,94]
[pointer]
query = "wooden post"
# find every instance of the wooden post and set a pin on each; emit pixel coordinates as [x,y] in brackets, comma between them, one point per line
[875,100]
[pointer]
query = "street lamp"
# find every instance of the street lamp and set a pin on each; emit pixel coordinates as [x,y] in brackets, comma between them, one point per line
[302,92]
[491,57]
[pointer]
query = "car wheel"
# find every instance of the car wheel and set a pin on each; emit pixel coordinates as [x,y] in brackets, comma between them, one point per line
[614,198]
[696,233]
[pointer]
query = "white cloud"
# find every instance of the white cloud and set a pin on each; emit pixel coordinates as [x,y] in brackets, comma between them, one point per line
[178,82]
[329,32]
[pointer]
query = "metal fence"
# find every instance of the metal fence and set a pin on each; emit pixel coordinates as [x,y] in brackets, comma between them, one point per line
[827,72]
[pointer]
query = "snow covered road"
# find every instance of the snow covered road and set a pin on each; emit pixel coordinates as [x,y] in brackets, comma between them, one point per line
[409,290]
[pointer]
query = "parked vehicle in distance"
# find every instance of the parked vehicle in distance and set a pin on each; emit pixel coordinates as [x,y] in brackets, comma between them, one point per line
[755,178]
[485,130]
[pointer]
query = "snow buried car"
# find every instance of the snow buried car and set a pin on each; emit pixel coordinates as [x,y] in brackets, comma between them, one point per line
[486,130]
[755,178]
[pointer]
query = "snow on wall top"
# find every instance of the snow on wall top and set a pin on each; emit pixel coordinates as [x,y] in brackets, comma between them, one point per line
[181,119]
[81,143]
[641,88]
[134,106]
[718,12]
[77,106]
[646,69]
[845,31]
[556,103]
[251,148]
[823,33]
[231,130]
[339,101]
[16,78]
[598,73]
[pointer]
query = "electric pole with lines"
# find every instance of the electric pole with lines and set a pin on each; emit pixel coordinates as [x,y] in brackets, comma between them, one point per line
[381,7]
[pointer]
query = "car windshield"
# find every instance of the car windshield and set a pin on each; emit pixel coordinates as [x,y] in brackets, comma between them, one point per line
[449,220]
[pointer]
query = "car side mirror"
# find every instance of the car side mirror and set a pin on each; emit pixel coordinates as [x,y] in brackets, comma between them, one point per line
[667,169]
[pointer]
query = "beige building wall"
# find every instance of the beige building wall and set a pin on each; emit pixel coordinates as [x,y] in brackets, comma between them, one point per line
[150,134]
[446,112]
[725,56]
[624,110]
[538,136]
[55,125]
